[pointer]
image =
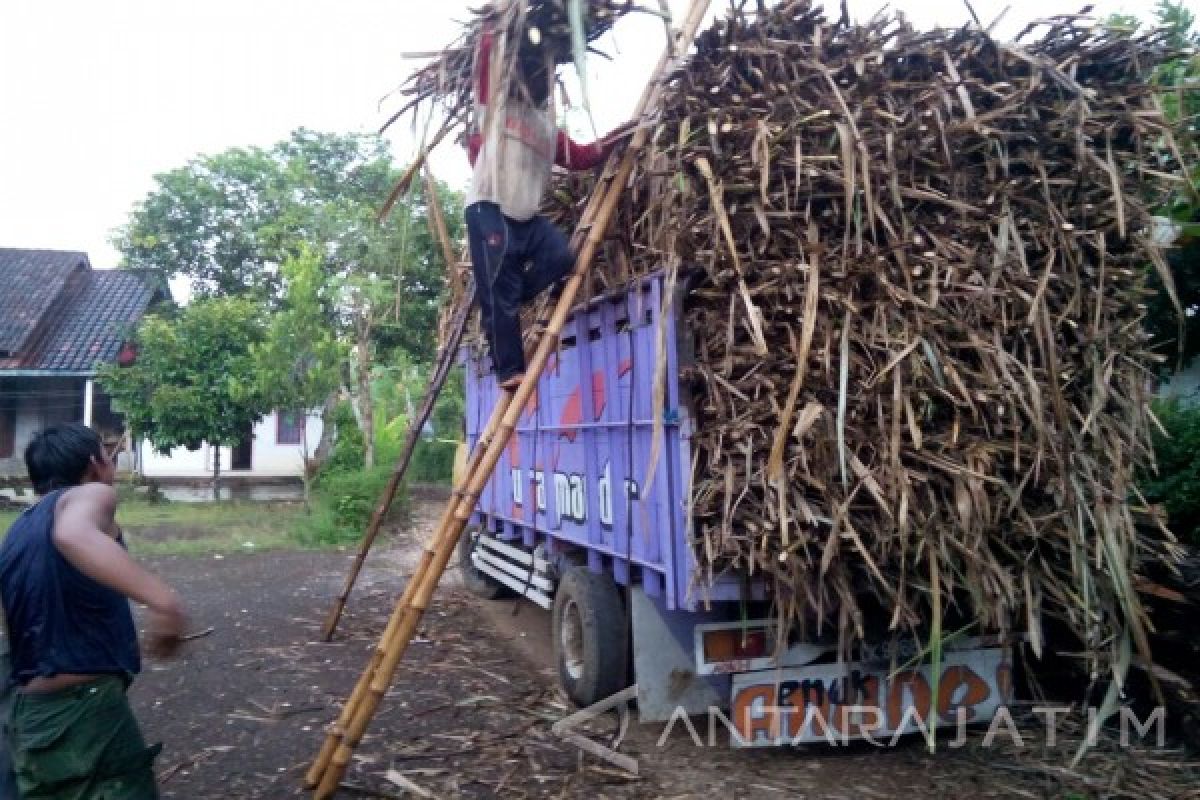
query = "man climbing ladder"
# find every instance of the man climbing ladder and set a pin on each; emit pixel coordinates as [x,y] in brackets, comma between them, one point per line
[512,157]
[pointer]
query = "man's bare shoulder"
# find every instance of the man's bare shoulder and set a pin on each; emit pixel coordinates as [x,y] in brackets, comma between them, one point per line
[99,499]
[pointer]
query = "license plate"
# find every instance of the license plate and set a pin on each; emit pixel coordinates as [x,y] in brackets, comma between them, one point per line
[837,702]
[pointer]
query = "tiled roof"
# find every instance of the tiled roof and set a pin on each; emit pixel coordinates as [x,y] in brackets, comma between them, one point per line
[90,330]
[58,314]
[30,281]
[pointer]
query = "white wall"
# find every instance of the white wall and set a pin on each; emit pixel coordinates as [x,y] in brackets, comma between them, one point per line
[268,458]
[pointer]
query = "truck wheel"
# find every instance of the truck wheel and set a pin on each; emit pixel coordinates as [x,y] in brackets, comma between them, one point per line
[477,583]
[591,637]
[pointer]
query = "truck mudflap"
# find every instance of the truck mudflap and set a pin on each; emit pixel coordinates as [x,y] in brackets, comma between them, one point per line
[836,703]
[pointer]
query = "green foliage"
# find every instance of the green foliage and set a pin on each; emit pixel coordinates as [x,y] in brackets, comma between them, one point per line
[433,456]
[294,227]
[1179,21]
[299,359]
[228,221]
[1176,485]
[345,493]
[204,221]
[1178,80]
[194,379]
[231,222]
[348,445]
[433,462]
[344,503]
[1126,23]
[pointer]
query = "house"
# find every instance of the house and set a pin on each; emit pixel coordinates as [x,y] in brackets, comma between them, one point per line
[59,320]
[272,448]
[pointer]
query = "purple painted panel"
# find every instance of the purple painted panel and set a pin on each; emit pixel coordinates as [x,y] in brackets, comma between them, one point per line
[576,469]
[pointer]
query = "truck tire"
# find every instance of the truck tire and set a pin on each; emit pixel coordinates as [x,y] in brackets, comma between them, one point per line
[477,583]
[591,636]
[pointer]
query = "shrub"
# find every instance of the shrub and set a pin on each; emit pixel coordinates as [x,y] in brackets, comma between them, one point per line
[348,447]
[344,502]
[1176,486]
[345,494]
[433,461]
[433,456]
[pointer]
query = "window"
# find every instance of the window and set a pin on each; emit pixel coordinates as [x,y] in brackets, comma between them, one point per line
[289,427]
[8,428]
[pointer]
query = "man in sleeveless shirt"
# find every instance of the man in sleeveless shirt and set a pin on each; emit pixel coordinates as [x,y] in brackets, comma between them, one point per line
[65,582]
[515,253]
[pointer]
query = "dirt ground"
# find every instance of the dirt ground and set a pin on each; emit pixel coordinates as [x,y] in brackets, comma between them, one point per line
[242,712]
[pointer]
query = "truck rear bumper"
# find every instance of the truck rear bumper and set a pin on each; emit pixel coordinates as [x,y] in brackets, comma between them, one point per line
[839,702]
[792,702]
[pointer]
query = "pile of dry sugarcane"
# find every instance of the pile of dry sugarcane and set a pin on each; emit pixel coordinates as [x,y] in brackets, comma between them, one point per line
[918,263]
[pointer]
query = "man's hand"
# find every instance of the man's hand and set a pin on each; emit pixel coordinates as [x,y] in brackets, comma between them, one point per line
[165,630]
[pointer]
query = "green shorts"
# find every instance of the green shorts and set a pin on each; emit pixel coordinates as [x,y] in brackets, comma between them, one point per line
[81,743]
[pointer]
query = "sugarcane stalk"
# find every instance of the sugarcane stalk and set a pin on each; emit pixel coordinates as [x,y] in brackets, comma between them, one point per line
[442,233]
[418,162]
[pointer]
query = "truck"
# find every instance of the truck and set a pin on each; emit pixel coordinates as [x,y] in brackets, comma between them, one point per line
[587,516]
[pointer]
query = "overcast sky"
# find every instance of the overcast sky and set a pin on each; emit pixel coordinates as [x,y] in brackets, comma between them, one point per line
[97,96]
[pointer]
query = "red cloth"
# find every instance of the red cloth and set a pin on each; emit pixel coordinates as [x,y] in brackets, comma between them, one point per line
[568,153]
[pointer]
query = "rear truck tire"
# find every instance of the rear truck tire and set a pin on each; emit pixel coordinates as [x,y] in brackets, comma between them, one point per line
[481,585]
[591,636]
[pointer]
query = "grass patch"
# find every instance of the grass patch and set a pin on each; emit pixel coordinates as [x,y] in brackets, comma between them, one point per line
[202,528]
[198,528]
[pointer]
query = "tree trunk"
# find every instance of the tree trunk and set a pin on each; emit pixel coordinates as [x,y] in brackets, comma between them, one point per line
[328,429]
[216,483]
[305,464]
[366,409]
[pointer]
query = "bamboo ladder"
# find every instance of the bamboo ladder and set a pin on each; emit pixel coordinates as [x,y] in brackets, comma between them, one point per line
[433,390]
[326,771]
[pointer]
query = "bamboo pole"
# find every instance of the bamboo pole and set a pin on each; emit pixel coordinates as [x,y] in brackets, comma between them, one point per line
[433,390]
[337,730]
[407,615]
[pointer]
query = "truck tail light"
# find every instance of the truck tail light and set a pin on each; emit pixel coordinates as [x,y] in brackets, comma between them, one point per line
[735,644]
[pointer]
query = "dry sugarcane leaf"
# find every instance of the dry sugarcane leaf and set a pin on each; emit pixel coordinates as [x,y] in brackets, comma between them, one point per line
[753,316]
[775,471]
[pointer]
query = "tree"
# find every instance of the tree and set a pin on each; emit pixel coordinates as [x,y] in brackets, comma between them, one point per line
[297,363]
[1178,80]
[211,222]
[228,223]
[194,377]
